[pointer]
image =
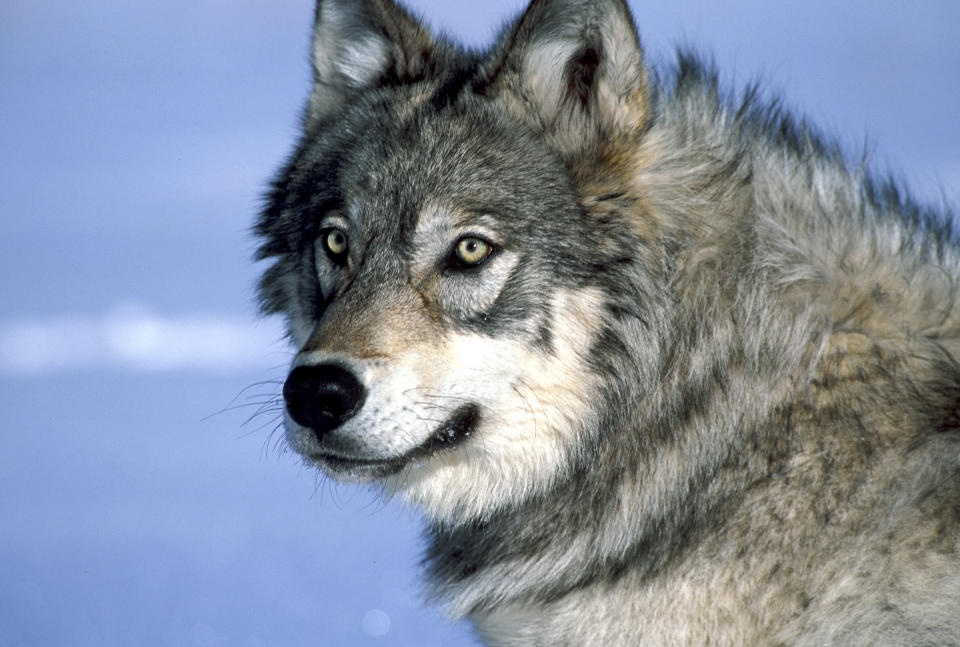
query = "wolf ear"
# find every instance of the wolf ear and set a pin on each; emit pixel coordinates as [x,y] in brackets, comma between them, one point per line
[357,43]
[574,70]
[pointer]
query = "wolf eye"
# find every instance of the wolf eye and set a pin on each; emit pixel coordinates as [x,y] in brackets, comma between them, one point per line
[335,243]
[471,251]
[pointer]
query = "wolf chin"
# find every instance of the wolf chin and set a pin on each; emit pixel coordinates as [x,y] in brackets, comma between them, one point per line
[657,365]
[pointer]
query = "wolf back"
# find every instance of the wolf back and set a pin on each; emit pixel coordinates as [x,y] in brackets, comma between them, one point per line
[656,364]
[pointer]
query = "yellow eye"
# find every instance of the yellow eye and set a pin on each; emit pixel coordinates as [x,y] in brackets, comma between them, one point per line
[335,242]
[473,251]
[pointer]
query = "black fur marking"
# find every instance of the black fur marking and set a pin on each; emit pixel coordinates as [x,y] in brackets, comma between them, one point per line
[452,87]
[581,73]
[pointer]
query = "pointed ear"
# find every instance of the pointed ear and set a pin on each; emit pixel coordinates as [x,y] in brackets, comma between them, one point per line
[574,70]
[357,43]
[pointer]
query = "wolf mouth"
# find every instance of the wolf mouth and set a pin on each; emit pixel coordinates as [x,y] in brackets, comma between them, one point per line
[454,431]
[457,428]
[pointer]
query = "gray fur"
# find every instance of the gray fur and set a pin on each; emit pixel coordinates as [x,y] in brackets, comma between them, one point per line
[727,360]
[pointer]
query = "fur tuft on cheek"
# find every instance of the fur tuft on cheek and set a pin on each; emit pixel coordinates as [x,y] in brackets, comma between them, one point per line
[533,405]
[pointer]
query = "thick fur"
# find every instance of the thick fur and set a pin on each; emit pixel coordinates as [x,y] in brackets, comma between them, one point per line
[704,389]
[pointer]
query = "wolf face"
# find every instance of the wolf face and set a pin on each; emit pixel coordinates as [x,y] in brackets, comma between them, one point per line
[439,274]
[438,315]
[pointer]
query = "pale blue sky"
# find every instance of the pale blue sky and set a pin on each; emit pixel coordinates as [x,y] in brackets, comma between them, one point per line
[135,141]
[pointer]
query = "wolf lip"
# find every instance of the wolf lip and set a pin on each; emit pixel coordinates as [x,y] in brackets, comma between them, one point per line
[457,428]
[336,463]
[346,461]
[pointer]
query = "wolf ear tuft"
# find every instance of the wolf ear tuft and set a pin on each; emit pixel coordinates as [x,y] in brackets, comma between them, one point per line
[580,75]
[574,70]
[357,43]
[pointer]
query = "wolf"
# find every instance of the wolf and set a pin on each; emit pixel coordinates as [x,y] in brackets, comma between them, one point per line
[656,362]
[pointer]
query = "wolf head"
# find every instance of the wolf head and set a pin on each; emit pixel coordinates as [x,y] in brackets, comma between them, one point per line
[448,251]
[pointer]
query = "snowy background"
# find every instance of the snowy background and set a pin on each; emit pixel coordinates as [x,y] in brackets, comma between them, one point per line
[136,507]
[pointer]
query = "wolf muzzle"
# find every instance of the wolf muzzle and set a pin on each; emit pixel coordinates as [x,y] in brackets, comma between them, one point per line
[322,397]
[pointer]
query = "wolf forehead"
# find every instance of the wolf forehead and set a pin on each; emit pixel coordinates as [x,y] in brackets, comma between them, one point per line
[379,158]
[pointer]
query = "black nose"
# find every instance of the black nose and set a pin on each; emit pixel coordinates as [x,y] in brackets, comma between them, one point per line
[322,397]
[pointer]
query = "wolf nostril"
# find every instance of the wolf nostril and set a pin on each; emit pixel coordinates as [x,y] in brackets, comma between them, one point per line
[322,397]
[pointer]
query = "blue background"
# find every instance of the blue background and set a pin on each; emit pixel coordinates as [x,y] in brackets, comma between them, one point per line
[136,505]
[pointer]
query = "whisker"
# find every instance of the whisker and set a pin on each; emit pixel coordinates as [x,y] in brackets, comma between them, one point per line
[275,421]
[270,406]
[233,405]
[266,441]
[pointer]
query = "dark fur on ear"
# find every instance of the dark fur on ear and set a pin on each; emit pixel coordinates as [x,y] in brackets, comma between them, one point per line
[574,70]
